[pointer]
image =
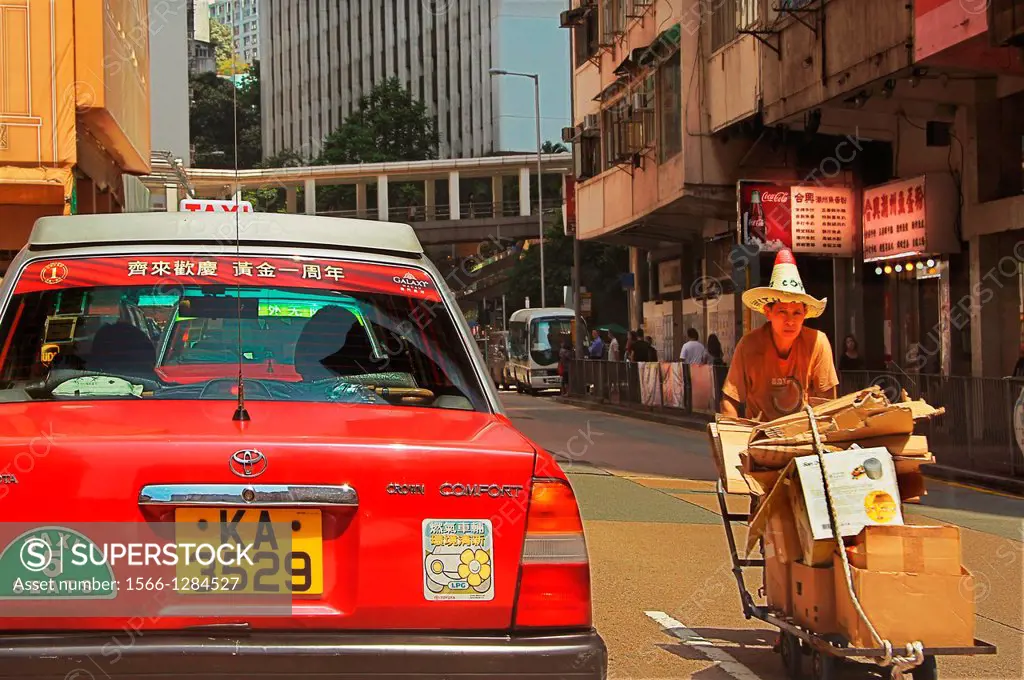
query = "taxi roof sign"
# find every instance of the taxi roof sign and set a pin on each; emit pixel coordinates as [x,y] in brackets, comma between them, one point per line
[199,205]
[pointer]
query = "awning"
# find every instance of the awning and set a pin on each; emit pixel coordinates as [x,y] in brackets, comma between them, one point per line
[574,17]
[613,89]
[661,48]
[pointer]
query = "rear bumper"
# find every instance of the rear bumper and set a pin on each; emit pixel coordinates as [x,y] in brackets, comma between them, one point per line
[273,655]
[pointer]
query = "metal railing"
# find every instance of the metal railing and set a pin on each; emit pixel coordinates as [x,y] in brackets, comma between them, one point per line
[977,432]
[441,212]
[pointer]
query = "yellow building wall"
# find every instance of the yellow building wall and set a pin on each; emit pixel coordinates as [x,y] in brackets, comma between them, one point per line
[37,87]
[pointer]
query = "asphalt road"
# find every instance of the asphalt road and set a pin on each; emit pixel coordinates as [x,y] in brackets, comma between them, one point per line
[666,602]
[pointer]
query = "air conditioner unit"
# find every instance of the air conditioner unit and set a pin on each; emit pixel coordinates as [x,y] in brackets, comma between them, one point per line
[591,122]
[569,134]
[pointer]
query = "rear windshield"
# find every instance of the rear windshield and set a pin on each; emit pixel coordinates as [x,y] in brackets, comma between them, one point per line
[182,328]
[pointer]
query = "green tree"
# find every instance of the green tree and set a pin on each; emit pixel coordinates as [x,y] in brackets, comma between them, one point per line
[553,147]
[212,118]
[387,125]
[222,39]
[601,266]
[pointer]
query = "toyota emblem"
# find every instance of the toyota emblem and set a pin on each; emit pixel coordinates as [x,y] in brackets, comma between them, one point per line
[248,463]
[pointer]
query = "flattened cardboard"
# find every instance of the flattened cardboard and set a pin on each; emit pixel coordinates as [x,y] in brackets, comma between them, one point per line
[728,440]
[814,597]
[813,552]
[936,609]
[912,486]
[777,584]
[781,531]
[914,549]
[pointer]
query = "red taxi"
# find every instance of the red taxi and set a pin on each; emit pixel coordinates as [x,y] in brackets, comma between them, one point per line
[307,381]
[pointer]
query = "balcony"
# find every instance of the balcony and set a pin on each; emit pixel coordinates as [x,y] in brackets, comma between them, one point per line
[823,50]
[1006,19]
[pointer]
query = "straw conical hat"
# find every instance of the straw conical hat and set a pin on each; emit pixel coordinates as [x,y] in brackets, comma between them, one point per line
[785,286]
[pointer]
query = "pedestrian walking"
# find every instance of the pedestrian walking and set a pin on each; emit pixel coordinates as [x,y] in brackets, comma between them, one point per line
[693,352]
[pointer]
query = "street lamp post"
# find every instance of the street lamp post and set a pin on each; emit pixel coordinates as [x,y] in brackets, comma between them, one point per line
[540,191]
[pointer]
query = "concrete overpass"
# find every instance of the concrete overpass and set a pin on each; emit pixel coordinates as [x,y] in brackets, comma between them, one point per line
[455,219]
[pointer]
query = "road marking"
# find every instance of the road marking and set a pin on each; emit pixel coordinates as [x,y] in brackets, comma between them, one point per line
[722,659]
[979,489]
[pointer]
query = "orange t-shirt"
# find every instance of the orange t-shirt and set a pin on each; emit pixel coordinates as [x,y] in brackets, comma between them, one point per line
[772,387]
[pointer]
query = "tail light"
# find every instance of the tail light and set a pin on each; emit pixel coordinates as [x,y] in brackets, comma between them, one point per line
[554,583]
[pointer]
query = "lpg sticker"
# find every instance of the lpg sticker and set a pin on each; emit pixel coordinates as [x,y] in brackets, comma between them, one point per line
[458,558]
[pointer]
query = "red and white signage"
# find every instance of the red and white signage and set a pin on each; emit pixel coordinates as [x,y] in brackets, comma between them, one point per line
[167,272]
[813,220]
[198,205]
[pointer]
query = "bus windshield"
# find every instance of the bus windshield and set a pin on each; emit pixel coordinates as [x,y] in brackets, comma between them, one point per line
[546,338]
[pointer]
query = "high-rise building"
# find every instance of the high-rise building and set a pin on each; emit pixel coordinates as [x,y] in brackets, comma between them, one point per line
[74,111]
[321,58]
[243,18]
[169,67]
[201,58]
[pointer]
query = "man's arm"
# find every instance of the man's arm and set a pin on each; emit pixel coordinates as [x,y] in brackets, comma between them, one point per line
[825,380]
[729,407]
[734,388]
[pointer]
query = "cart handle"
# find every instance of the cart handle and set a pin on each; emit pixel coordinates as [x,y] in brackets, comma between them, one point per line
[915,650]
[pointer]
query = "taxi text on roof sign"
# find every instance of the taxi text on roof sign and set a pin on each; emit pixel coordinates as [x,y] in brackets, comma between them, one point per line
[197,205]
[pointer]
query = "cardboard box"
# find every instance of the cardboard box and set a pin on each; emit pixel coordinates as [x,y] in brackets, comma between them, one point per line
[777,584]
[911,549]
[781,532]
[863,488]
[935,609]
[864,491]
[813,552]
[814,597]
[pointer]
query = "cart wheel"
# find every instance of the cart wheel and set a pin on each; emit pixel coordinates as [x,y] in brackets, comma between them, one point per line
[928,670]
[792,656]
[824,666]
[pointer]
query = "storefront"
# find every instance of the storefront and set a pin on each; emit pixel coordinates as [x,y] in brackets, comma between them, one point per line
[912,266]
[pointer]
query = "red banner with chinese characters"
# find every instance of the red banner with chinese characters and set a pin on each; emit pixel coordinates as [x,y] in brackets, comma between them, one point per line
[162,270]
[895,222]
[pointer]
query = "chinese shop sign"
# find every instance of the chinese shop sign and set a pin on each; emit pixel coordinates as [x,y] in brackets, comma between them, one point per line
[910,217]
[812,220]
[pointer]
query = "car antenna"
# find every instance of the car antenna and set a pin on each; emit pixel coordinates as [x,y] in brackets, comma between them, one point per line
[241,414]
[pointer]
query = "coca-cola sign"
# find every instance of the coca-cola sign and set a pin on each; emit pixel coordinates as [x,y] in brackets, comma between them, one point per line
[815,220]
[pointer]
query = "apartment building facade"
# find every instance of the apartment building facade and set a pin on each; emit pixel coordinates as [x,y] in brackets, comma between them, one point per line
[320,58]
[74,110]
[243,18]
[887,137]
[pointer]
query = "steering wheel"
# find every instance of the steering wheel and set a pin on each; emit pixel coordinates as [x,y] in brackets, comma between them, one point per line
[57,377]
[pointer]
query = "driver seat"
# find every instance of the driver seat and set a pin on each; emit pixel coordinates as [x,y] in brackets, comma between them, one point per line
[328,344]
[123,349]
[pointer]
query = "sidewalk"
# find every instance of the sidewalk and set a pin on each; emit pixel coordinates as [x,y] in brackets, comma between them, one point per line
[699,421]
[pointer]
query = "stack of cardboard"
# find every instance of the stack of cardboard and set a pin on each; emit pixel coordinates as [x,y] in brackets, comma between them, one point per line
[919,588]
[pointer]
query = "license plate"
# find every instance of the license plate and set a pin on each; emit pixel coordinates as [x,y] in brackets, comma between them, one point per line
[286,551]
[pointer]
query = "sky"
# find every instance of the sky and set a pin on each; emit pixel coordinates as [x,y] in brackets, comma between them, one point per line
[528,38]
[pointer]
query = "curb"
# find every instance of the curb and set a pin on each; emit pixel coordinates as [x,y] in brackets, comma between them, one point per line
[654,416]
[1007,485]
